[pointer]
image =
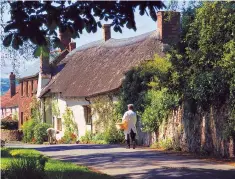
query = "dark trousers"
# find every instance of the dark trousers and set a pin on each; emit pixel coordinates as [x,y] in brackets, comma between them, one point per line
[131,136]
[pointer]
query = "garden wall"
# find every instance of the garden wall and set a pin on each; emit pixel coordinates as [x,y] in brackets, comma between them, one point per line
[11,135]
[200,132]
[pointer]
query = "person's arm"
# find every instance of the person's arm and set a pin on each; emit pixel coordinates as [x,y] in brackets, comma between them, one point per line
[124,116]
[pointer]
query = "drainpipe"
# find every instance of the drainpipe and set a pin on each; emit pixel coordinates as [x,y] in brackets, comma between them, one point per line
[91,118]
[43,111]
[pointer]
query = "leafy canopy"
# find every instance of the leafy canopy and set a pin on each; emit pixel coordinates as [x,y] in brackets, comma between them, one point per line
[36,20]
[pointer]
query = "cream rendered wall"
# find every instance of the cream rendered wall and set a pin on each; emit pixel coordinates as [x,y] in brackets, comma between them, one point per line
[76,105]
[62,107]
[42,82]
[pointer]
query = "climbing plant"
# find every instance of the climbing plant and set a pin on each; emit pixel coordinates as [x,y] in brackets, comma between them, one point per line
[36,113]
[55,108]
[107,115]
[70,126]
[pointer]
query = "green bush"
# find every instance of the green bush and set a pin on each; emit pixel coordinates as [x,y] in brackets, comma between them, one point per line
[165,144]
[40,132]
[26,168]
[5,152]
[28,130]
[112,135]
[69,138]
[87,138]
[9,124]
[98,136]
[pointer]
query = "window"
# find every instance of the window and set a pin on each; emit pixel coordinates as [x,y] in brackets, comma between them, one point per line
[22,89]
[32,88]
[87,114]
[59,124]
[26,88]
[22,118]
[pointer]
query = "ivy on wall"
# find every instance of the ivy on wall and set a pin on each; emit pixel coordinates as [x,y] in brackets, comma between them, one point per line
[70,125]
[55,108]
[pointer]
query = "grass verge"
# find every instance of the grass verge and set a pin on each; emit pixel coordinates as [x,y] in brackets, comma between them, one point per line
[52,169]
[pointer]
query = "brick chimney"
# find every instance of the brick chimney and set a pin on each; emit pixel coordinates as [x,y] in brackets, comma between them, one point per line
[12,84]
[168,25]
[65,39]
[72,45]
[106,32]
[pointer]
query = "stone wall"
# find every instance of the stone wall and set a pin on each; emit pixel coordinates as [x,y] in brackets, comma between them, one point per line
[200,132]
[11,135]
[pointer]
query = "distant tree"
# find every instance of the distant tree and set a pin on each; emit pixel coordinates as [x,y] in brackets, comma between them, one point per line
[37,20]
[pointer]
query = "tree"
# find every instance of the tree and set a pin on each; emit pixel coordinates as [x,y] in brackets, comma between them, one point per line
[36,20]
[205,60]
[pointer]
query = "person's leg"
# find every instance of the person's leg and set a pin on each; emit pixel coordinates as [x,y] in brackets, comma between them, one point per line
[133,138]
[128,141]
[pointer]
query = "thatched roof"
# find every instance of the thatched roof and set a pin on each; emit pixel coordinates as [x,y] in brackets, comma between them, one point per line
[99,67]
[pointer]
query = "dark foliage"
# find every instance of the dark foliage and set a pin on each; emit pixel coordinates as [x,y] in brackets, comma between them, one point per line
[36,20]
[9,124]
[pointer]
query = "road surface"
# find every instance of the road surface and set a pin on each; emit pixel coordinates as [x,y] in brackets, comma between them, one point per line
[140,163]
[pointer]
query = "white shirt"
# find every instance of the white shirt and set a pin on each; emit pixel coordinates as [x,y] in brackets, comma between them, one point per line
[51,132]
[131,118]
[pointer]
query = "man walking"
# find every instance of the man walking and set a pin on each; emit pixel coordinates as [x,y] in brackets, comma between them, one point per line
[130,132]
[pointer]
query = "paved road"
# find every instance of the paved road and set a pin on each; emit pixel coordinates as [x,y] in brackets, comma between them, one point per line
[136,164]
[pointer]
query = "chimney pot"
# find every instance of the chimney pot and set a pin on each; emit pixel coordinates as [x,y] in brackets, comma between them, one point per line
[106,32]
[168,25]
[72,46]
[65,39]
[12,84]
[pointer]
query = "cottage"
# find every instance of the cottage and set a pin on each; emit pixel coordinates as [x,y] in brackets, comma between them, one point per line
[98,68]
[9,101]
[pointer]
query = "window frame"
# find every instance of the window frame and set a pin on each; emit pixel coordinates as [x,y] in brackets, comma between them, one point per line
[59,127]
[87,114]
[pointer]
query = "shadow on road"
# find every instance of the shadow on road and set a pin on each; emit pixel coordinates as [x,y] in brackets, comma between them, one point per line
[54,148]
[176,173]
[145,164]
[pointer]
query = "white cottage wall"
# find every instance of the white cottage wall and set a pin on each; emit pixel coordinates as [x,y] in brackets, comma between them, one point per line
[76,105]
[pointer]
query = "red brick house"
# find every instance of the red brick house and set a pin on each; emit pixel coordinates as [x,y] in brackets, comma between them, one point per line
[28,88]
[42,72]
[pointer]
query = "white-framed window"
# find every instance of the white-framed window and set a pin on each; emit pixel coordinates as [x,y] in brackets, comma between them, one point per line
[87,114]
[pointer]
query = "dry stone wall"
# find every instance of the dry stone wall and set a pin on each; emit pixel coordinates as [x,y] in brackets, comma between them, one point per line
[11,135]
[200,132]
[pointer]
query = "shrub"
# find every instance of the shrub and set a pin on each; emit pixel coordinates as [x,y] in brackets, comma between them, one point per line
[26,168]
[165,144]
[68,138]
[87,138]
[98,136]
[40,133]
[112,135]
[28,130]
[5,152]
[9,123]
